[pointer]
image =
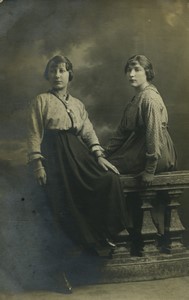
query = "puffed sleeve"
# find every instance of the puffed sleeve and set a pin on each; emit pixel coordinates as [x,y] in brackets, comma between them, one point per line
[152,113]
[35,129]
[87,132]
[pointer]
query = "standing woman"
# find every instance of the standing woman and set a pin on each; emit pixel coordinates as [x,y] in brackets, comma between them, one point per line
[142,144]
[64,151]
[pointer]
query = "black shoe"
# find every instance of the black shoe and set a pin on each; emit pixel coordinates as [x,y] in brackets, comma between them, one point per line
[67,288]
[110,243]
[136,252]
[99,250]
[165,250]
[163,243]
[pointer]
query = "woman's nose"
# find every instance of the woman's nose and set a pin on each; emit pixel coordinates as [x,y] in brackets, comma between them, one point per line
[57,74]
[132,73]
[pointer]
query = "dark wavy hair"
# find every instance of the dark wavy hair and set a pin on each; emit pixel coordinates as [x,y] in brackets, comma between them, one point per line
[144,62]
[58,59]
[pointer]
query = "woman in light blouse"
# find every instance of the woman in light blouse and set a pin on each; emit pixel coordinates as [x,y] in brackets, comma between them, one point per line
[142,144]
[64,151]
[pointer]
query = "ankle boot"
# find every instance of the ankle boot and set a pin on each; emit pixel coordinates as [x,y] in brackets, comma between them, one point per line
[163,243]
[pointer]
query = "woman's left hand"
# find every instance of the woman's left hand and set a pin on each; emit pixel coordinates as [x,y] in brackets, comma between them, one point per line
[145,178]
[106,165]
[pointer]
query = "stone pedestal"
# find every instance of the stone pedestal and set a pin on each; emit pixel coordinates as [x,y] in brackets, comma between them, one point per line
[145,268]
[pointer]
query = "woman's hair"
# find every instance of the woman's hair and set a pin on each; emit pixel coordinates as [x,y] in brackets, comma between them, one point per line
[58,59]
[144,62]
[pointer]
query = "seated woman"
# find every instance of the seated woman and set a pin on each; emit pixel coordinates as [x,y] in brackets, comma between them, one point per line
[67,159]
[142,144]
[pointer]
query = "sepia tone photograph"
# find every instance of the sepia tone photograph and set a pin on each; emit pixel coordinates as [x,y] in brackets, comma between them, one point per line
[94,139]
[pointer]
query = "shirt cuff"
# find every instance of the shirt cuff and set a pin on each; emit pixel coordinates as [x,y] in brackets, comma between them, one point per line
[96,148]
[35,155]
[151,165]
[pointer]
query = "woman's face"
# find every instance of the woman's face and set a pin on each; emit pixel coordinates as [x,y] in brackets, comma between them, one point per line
[58,76]
[136,75]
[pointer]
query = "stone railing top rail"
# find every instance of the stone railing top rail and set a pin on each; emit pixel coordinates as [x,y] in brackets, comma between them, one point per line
[162,181]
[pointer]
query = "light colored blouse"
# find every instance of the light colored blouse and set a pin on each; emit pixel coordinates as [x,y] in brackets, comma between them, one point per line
[47,111]
[146,112]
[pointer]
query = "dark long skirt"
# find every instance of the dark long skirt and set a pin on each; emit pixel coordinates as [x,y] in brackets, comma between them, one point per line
[86,199]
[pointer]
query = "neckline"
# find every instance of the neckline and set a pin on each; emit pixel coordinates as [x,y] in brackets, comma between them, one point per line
[63,99]
[147,86]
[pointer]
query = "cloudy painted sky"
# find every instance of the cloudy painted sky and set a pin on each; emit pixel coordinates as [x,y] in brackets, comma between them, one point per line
[98,37]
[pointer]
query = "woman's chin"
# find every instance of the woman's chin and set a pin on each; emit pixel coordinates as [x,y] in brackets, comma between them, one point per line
[57,88]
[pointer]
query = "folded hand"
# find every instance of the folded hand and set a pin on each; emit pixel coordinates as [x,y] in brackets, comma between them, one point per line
[145,178]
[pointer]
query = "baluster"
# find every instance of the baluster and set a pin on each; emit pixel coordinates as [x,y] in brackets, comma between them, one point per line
[174,227]
[149,230]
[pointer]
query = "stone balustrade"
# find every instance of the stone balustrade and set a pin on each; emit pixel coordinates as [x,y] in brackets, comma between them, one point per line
[153,264]
[173,184]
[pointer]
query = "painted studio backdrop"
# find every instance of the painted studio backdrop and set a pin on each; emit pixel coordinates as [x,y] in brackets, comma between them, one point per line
[98,37]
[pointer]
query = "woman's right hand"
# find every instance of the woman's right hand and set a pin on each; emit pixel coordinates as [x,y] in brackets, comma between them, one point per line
[106,165]
[145,178]
[39,171]
[40,175]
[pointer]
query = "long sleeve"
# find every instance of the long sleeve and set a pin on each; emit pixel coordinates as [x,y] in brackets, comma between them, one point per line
[35,129]
[154,135]
[87,132]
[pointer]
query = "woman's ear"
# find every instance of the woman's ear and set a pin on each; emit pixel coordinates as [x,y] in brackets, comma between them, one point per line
[70,75]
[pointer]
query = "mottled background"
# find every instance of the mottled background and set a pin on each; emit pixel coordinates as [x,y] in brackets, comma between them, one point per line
[98,37]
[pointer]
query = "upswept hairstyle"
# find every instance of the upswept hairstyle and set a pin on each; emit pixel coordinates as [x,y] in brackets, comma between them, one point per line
[58,59]
[144,62]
